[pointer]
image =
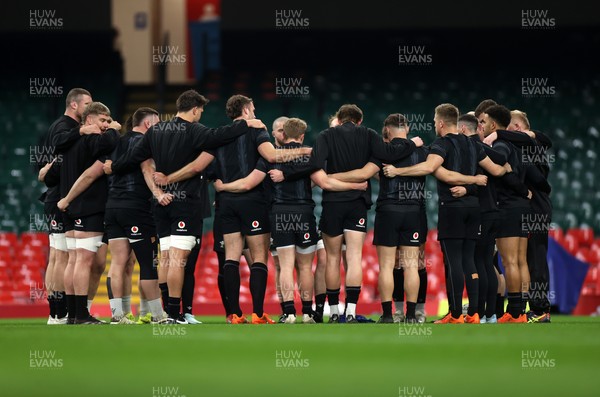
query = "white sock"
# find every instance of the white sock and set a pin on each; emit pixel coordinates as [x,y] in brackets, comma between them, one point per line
[334,310]
[144,308]
[350,309]
[156,308]
[399,306]
[116,307]
[420,307]
[126,304]
[89,305]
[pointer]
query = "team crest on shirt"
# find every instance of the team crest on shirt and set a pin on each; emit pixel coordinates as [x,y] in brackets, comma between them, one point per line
[181,226]
[134,230]
[361,222]
[255,226]
[415,237]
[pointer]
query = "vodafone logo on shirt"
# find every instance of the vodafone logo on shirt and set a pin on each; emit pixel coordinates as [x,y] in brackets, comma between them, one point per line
[415,237]
[306,236]
[135,230]
[361,222]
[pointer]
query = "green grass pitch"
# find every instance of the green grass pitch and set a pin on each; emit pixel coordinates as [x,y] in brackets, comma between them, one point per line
[216,359]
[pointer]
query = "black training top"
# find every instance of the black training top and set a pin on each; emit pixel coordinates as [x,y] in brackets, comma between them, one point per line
[297,192]
[174,144]
[507,197]
[238,159]
[461,155]
[79,157]
[349,146]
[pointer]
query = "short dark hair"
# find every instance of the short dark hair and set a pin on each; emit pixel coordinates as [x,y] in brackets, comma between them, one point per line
[235,105]
[349,112]
[500,114]
[129,123]
[448,113]
[294,128]
[483,106]
[95,108]
[470,121]
[140,114]
[75,95]
[190,99]
[395,120]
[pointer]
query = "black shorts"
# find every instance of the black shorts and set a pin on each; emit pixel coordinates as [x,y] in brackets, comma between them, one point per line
[459,223]
[337,217]
[396,228]
[180,218]
[424,229]
[54,218]
[68,222]
[130,223]
[489,227]
[248,216]
[513,223]
[90,223]
[293,229]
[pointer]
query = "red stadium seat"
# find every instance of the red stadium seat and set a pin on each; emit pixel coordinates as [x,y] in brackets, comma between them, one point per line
[557,234]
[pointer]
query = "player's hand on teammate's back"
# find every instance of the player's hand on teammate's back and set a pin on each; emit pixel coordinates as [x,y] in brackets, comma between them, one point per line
[363,185]
[417,140]
[389,171]
[458,191]
[160,178]
[218,185]
[165,199]
[107,167]
[63,204]
[276,176]
[256,123]
[481,180]
[529,194]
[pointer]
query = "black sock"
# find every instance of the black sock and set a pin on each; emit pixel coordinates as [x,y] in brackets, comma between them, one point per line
[231,274]
[422,296]
[307,307]
[52,304]
[81,310]
[61,304]
[398,294]
[455,279]
[164,294]
[410,309]
[471,275]
[282,305]
[333,297]
[258,286]
[514,304]
[525,300]
[387,308]
[109,288]
[352,294]
[221,283]
[173,307]
[499,305]
[189,281]
[320,303]
[71,306]
[288,307]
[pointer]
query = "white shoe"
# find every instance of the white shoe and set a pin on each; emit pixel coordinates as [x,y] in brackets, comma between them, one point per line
[61,321]
[160,320]
[308,319]
[123,320]
[398,317]
[420,317]
[189,317]
[51,321]
[290,319]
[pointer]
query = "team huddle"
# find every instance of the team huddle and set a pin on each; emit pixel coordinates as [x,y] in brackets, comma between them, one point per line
[144,195]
